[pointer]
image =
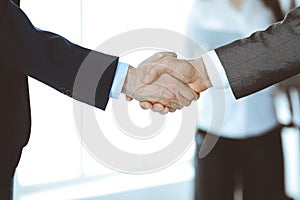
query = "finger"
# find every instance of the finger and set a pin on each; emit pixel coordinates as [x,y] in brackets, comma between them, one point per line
[159,67]
[172,110]
[157,107]
[146,105]
[158,56]
[188,93]
[180,69]
[156,93]
[128,98]
[184,94]
[176,106]
[155,72]
[166,54]
[183,101]
[197,96]
[165,111]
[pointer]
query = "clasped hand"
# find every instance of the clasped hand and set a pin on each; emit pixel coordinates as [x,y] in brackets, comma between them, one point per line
[165,83]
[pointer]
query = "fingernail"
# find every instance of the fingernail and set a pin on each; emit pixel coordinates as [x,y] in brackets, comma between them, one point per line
[147,106]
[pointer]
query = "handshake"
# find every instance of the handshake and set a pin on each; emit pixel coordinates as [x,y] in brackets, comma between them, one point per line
[165,83]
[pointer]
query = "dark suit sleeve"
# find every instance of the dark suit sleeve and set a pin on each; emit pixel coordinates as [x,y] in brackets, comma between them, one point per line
[264,58]
[51,58]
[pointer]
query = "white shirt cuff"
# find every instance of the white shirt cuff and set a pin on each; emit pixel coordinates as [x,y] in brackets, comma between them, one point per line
[215,70]
[119,80]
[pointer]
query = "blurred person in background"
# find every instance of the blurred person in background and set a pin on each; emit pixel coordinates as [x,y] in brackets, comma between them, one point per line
[248,156]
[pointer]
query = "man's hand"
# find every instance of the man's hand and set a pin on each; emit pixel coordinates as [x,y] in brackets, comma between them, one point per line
[192,73]
[164,90]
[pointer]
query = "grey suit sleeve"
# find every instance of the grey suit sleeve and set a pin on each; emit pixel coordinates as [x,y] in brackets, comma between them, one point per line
[265,58]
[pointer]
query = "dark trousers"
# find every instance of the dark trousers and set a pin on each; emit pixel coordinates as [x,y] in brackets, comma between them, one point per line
[256,164]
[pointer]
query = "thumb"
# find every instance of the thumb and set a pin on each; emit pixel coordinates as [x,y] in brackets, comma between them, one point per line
[158,56]
[156,70]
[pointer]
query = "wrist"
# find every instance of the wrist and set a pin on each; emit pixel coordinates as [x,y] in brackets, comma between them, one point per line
[201,68]
[126,87]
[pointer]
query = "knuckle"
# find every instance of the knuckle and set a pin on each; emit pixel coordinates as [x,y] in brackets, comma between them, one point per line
[188,103]
[159,55]
[167,59]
